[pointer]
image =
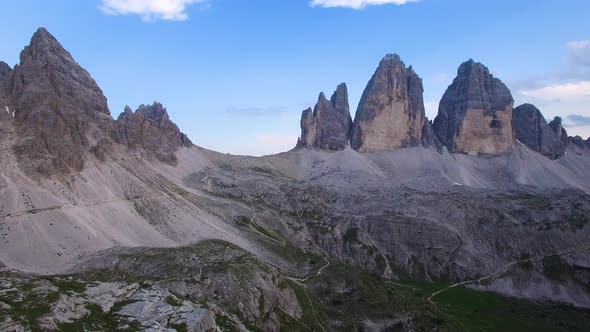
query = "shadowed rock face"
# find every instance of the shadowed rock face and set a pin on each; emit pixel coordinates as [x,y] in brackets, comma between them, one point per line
[578,141]
[390,114]
[5,99]
[59,109]
[475,113]
[531,128]
[429,136]
[558,129]
[328,126]
[150,128]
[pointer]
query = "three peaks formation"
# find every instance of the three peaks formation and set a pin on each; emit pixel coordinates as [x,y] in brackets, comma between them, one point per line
[476,116]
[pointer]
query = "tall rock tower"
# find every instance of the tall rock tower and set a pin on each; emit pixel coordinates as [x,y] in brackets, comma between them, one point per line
[475,113]
[391,113]
[328,126]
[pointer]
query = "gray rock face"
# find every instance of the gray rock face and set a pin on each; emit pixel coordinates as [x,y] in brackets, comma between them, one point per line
[150,129]
[328,126]
[558,129]
[390,114]
[429,136]
[531,128]
[6,104]
[59,108]
[578,141]
[475,113]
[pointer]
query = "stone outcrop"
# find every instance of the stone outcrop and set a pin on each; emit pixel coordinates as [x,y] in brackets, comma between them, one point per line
[579,142]
[328,126]
[531,128]
[6,105]
[557,125]
[150,129]
[429,136]
[391,113]
[475,113]
[59,109]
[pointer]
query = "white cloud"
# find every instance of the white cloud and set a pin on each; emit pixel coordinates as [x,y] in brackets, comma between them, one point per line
[560,91]
[150,10]
[356,4]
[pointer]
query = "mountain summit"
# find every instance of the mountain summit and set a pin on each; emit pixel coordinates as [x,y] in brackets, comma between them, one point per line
[328,126]
[475,113]
[390,113]
[61,116]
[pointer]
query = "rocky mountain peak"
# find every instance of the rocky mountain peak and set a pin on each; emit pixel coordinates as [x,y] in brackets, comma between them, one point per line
[391,112]
[556,125]
[58,108]
[475,113]
[340,100]
[46,64]
[5,69]
[155,112]
[328,125]
[531,128]
[149,128]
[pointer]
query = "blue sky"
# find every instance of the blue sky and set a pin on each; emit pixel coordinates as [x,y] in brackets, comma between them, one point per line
[236,74]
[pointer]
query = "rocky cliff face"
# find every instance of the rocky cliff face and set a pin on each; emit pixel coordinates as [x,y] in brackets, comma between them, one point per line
[429,136]
[150,129]
[390,114]
[6,105]
[557,126]
[60,111]
[475,113]
[531,128]
[328,126]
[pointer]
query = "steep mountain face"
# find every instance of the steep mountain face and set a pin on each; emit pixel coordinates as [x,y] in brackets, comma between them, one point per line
[429,137]
[6,75]
[150,129]
[556,125]
[578,141]
[328,126]
[60,112]
[475,113]
[531,128]
[390,114]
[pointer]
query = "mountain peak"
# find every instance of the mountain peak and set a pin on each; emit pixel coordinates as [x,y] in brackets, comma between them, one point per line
[43,35]
[327,127]
[44,45]
[475,112]
[156,111]
[390,114]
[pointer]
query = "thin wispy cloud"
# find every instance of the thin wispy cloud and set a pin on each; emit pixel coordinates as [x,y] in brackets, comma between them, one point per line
[356,4]
[151,10]
[560,91]
[576,120]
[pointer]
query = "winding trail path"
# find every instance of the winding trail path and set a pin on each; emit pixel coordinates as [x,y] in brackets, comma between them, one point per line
[509,266]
